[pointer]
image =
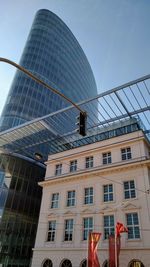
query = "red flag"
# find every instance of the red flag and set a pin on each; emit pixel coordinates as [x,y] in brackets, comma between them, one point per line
[120,228]
[111,251]
[114,244]
[92,250]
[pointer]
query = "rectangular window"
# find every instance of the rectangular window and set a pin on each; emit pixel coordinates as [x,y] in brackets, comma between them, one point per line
[133,225]
[58,169]
[106,158]
[68,230]
[71,198]
[89,162]
[108,225]
[129,189]
[51,231]
[87,227]
[55,199]
[88,195]
[108,192]
[73,166]
[126,153]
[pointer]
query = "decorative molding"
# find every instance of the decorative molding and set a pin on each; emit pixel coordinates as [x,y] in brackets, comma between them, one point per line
[52,214]
[129,206]
[108,209]
[68,212]
[87,211]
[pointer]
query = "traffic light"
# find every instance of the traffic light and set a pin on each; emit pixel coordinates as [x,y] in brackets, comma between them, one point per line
[81,122]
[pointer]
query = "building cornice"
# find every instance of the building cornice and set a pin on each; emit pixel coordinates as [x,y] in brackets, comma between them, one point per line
[97,171]
[94,147]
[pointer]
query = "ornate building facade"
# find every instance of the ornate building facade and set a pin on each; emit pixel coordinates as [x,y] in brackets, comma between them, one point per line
[90,188]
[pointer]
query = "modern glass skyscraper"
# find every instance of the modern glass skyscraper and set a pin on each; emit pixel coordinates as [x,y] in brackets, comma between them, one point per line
[53,54]
[20,199]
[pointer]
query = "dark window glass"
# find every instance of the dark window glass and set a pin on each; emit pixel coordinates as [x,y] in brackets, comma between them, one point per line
[88,195]
[133,225]
[108,192]
[89,162]
[51,231]
[87,227]
[68,230]
[108,225]
[126,153]
[107,158]
[129,189]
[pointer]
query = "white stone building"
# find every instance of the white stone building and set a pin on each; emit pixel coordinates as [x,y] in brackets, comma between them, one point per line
[91,187]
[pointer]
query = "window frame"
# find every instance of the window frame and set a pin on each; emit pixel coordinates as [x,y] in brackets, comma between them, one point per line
[108,193]
[129,190]
[109,229]
[89,162]
[55,202]
[89,196]
[51,232]
[88,228]
[47,262]
[73,165]
[126,153]
[133,226]
[58,169]
[106,158]
[68,229]
[71,200]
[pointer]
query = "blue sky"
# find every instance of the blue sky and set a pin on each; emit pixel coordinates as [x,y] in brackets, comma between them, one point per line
[114,34]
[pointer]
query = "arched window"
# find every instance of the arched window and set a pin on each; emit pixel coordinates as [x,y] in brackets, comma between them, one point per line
[83,263]
[106,264]
[136,263]
[47,263]
[66,263]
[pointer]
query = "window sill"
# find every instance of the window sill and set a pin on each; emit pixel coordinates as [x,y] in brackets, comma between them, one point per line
[134,240]
[88,204]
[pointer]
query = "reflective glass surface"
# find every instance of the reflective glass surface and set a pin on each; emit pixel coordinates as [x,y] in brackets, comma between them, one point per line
[20,198]
[53,54]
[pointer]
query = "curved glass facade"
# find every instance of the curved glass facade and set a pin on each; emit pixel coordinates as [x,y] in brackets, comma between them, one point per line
[54,55]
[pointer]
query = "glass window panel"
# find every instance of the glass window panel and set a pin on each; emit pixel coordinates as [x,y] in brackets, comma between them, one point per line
[88,227]
[108,192]
[108,225]
[129,189]
[88,195]
[133,226]
[54,201]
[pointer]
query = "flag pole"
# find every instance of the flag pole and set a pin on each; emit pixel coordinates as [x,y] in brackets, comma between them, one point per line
[88,249]
[116,260]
